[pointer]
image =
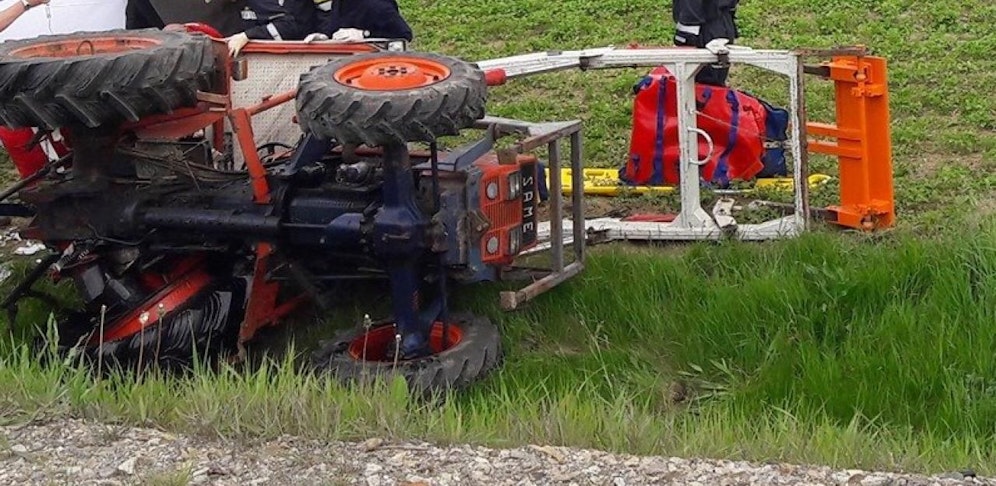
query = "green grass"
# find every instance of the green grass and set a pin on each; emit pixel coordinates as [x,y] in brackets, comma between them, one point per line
[175,478]
[944,130]
[838,349]
[872,353]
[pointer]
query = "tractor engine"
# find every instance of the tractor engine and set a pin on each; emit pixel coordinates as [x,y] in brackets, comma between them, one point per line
[343,215]
[166,195]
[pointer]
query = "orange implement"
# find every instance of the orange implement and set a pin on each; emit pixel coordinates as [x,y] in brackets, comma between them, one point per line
[863,143]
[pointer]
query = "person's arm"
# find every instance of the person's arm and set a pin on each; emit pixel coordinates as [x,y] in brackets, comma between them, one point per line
[271,20]
[279,27]
[388,22]
[695,12]
[374,18]
[140,14]
[13,12]
[324,17]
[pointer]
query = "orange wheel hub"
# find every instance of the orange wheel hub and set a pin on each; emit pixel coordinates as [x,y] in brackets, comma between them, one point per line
[379,342]
[88,47]
[392,74]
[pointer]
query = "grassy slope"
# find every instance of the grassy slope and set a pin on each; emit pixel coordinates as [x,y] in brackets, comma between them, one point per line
[829,349]
[861,354]
[939,55]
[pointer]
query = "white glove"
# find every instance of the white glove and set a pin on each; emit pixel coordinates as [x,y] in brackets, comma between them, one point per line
[349,35]
[237,42]
[316,37]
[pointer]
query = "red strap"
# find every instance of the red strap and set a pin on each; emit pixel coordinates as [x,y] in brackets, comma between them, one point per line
[203,28]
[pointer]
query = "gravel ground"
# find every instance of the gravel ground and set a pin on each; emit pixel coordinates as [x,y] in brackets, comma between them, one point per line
[75,452]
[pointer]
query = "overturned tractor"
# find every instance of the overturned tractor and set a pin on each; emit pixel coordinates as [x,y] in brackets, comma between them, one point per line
[185,235]
[195,199]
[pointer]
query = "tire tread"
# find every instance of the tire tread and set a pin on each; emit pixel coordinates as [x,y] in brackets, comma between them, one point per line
[105,89]
[352,116]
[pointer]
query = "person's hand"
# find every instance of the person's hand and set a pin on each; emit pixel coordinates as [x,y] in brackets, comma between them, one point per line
[349,35]
[317,36]
[35,3]
[237,42]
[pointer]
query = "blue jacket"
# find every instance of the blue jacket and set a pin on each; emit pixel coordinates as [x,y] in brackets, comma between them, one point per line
[280,19]
[382,18]
[701,12]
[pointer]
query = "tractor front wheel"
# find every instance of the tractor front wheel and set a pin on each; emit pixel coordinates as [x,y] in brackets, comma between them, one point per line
[391,98]
[472,350]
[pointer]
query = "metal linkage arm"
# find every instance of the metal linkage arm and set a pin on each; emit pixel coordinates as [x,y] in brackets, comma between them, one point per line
[500,69]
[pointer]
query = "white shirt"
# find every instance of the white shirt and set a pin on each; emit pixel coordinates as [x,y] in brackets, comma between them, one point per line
[67,16]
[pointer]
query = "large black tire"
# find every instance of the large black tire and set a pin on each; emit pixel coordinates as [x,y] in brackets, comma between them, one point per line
[202,329]
[350,114]
[476,355]
[102,79]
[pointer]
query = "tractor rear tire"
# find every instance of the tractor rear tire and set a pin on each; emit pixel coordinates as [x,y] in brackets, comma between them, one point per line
[387,98]
[103,79]
[196,333]
[477,353]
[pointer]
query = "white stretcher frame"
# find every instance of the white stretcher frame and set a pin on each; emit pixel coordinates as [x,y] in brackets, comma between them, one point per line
[693,222]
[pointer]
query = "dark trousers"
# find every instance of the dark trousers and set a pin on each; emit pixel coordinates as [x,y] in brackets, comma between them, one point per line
[140,14]
[722,27]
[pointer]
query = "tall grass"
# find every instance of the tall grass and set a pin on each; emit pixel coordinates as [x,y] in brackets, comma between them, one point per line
[275,400]
[874,353]
[900,330]
[867,353]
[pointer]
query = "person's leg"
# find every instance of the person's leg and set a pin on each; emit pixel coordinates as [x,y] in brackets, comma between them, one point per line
[140,14]
[695,36]
[723,27]
[687,35]
[712,76]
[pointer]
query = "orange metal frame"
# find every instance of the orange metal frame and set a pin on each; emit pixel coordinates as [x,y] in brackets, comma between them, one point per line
[213,108]
[862,141]
[278,47]
[264,307]
[185,282]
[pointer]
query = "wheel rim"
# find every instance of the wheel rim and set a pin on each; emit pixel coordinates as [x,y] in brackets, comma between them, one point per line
[391,73]
[86,47]
[165,301]
[380,342]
